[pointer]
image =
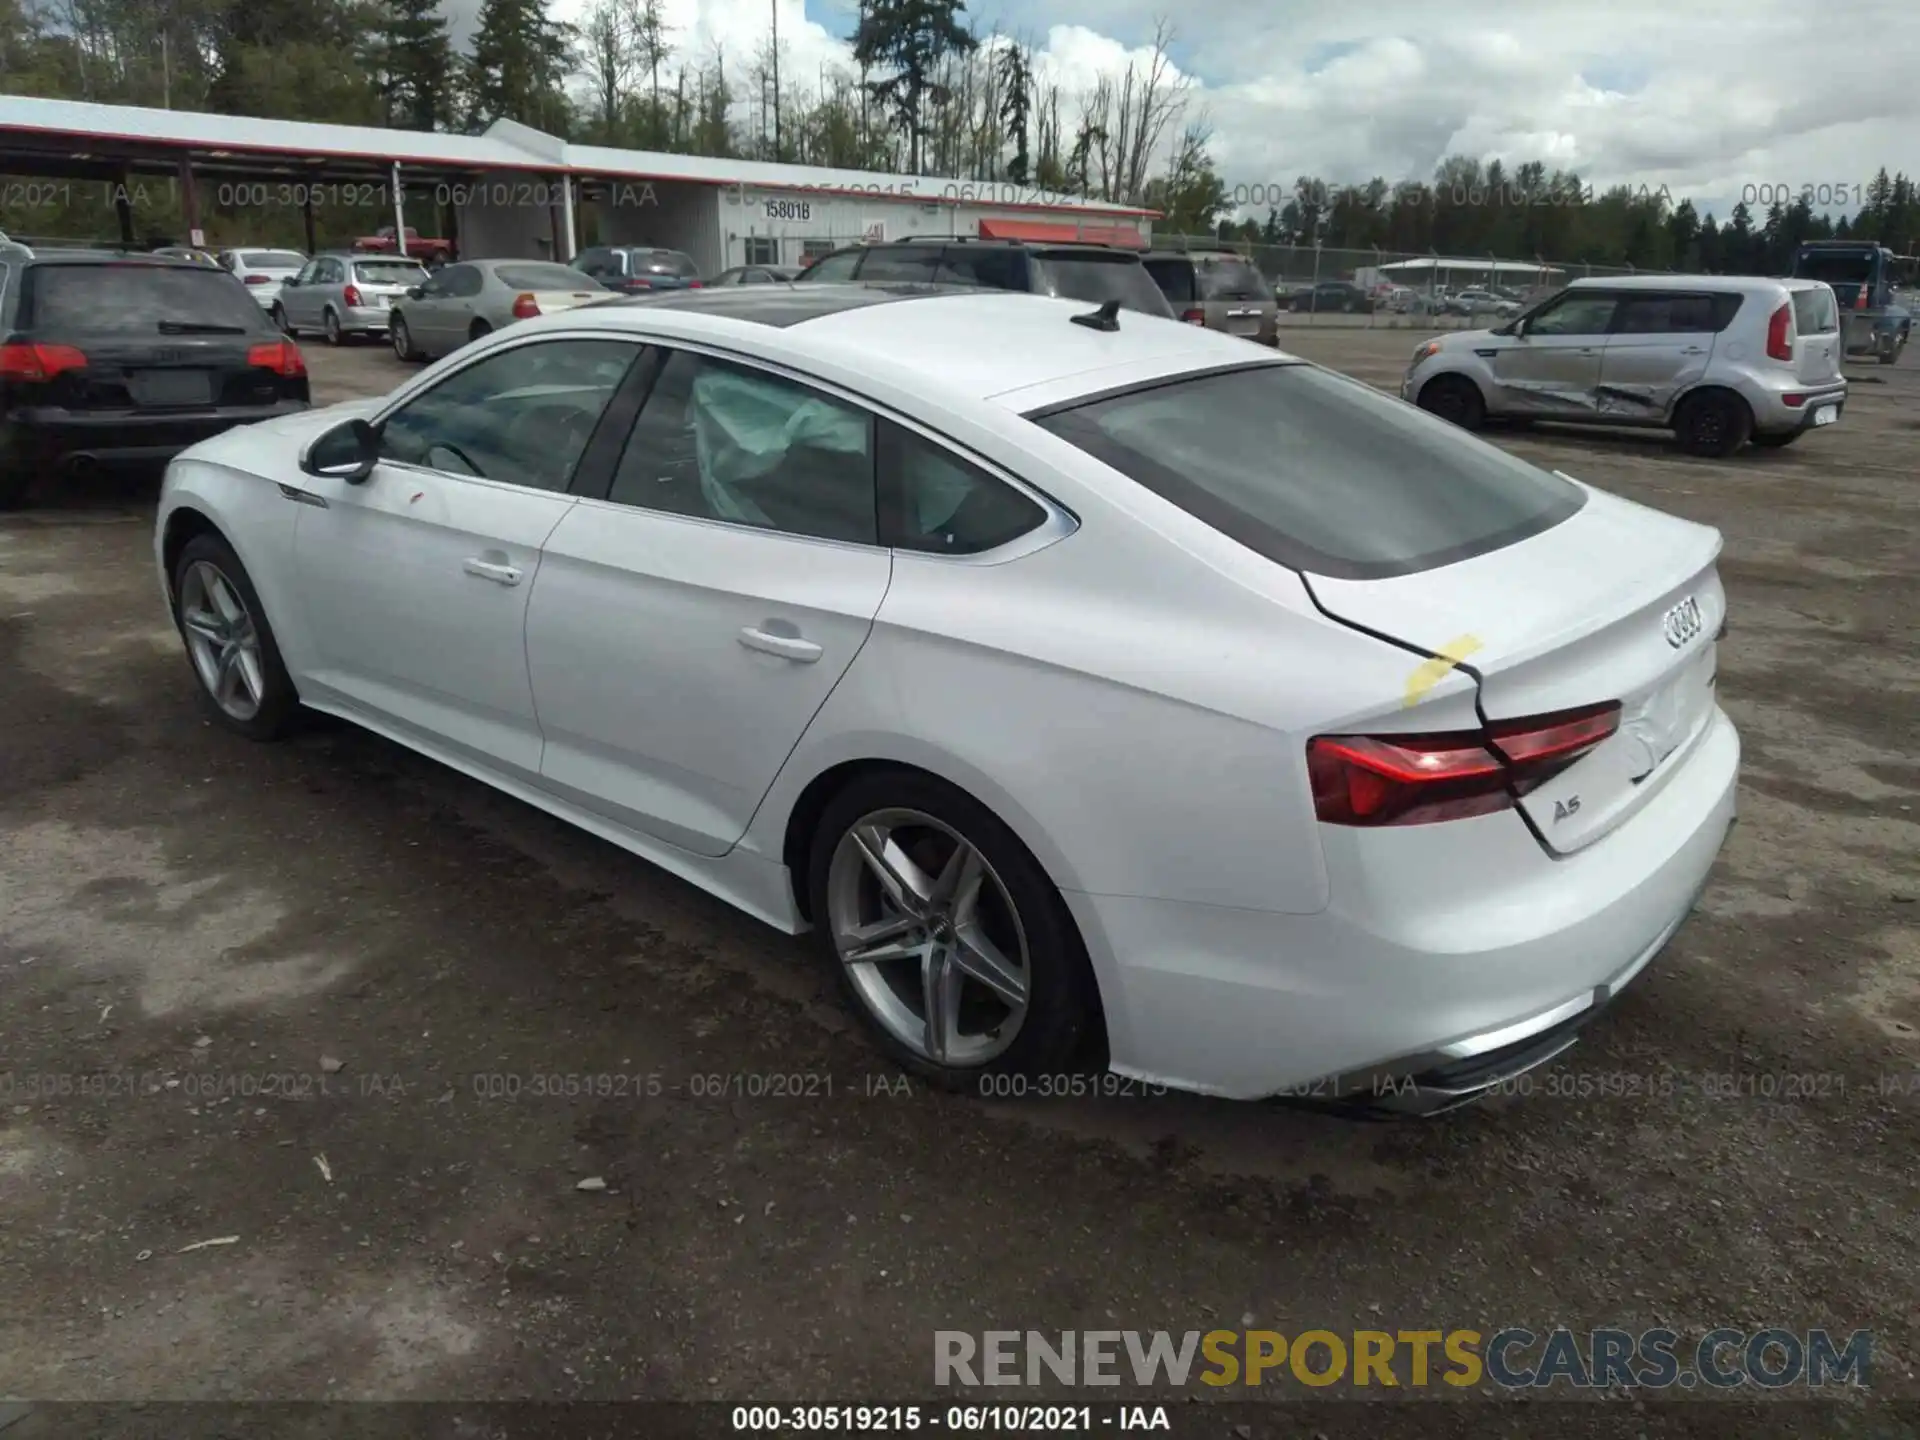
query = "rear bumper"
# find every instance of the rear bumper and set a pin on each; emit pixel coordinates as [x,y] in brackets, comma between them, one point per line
[1454,968]
[47,437]
[1773,415]
[366,319]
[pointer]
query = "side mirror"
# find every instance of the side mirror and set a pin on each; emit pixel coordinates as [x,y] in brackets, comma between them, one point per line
[290,282]
[416,293]
[348,452]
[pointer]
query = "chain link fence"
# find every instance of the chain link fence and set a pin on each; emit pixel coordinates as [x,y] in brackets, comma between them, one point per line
[1387,289]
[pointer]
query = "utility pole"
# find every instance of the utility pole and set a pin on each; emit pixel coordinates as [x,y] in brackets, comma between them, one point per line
[166,74]
[778,154]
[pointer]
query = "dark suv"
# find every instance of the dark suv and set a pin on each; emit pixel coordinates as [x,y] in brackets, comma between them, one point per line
[1340,297]
[112,359]
[1094,273]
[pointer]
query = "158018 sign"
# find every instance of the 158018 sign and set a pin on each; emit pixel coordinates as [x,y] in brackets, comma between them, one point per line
[789,210]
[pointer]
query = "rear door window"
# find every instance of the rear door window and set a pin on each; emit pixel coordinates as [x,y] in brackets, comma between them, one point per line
[1174,277]
[994,267]
[1097,278]
[1665,315]
[912,263]
[1319,472]
[136,299]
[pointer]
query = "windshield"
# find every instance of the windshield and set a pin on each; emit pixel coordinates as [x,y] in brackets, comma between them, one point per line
[534,276]
[272,259]
[135,298]
[1099,278]
[389,272]
[1230,278]
[1319,472]
[664,262]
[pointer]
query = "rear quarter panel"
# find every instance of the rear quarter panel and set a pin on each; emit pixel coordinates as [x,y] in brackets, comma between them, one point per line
[1143,737]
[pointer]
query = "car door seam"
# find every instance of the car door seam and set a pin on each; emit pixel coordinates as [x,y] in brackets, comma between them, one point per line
[526,625]
[873,623]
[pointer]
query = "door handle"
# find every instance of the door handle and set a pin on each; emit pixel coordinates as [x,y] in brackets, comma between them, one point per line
[492,570]
[787,647]
[1693,350]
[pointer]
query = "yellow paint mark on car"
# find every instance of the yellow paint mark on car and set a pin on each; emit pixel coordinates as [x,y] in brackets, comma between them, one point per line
[1432,672]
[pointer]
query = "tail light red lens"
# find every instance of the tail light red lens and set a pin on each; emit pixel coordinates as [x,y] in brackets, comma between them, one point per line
[525,307]
[351,295]
[39,362]
[695,284]
[1860,298]
[282,357]
[1780,334]
[1371,780]
[1194,316]
[259,279]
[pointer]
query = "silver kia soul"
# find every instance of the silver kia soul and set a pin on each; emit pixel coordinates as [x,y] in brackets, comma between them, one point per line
[1719,360]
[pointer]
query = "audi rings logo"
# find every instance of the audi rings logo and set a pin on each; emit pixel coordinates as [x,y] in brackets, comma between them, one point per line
[1682,622]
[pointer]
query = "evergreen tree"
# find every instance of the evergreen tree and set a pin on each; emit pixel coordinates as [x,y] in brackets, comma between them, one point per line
[912,38]
[417,65]
[519,61]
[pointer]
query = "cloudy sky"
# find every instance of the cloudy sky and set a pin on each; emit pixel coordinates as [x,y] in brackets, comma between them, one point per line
[1705,97]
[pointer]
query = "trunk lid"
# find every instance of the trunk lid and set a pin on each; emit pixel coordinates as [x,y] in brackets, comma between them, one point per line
[551,302]
[1617,603]
[164,373]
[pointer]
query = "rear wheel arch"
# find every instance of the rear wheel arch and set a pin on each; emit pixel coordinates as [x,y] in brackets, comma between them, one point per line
[1739,415]
[810,810]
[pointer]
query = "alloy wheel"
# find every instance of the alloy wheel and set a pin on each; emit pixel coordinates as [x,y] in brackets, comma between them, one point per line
[930,937]
[333,328]
[402,339]
[222,640]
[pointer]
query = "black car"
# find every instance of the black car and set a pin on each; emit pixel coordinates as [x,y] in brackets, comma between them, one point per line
[1341,297]
[108,360]
[638,269]
[1094,273]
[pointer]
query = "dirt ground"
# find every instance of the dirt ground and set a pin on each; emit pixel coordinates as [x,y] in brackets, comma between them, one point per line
[287,986]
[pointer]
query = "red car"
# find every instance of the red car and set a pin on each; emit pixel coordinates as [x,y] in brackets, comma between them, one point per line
[427,251]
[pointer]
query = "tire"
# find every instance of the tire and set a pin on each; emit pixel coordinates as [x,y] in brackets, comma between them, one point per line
[1778,440]
[1713,424]
[1046,992]
[330,327]
[15,479]
[1455,399]
[280,322]
[478,331]
[243,683]
[1890,352]
[402,339]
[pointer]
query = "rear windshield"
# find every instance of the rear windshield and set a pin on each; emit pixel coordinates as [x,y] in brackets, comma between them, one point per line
[1230,278]
[546,277]
[1318,472]
[1845,267]
[272,259]
[664,262]
[1100,278]
[388,272]
[1814,312]
[135,299]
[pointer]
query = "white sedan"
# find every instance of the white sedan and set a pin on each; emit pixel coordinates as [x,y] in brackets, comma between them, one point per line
[1101,692]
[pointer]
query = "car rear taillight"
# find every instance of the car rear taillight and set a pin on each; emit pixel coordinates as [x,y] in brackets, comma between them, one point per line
[281,356]
[525,307]
[38,362]
[259,279]
[1860,299]
[694,284]
[351,295]
[1194,316]
[1368,780]
[1779,336]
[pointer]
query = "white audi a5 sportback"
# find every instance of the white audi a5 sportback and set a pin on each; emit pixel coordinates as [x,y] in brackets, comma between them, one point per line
[1091,684]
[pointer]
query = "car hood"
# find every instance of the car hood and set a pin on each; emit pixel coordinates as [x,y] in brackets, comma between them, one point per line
[285,434]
